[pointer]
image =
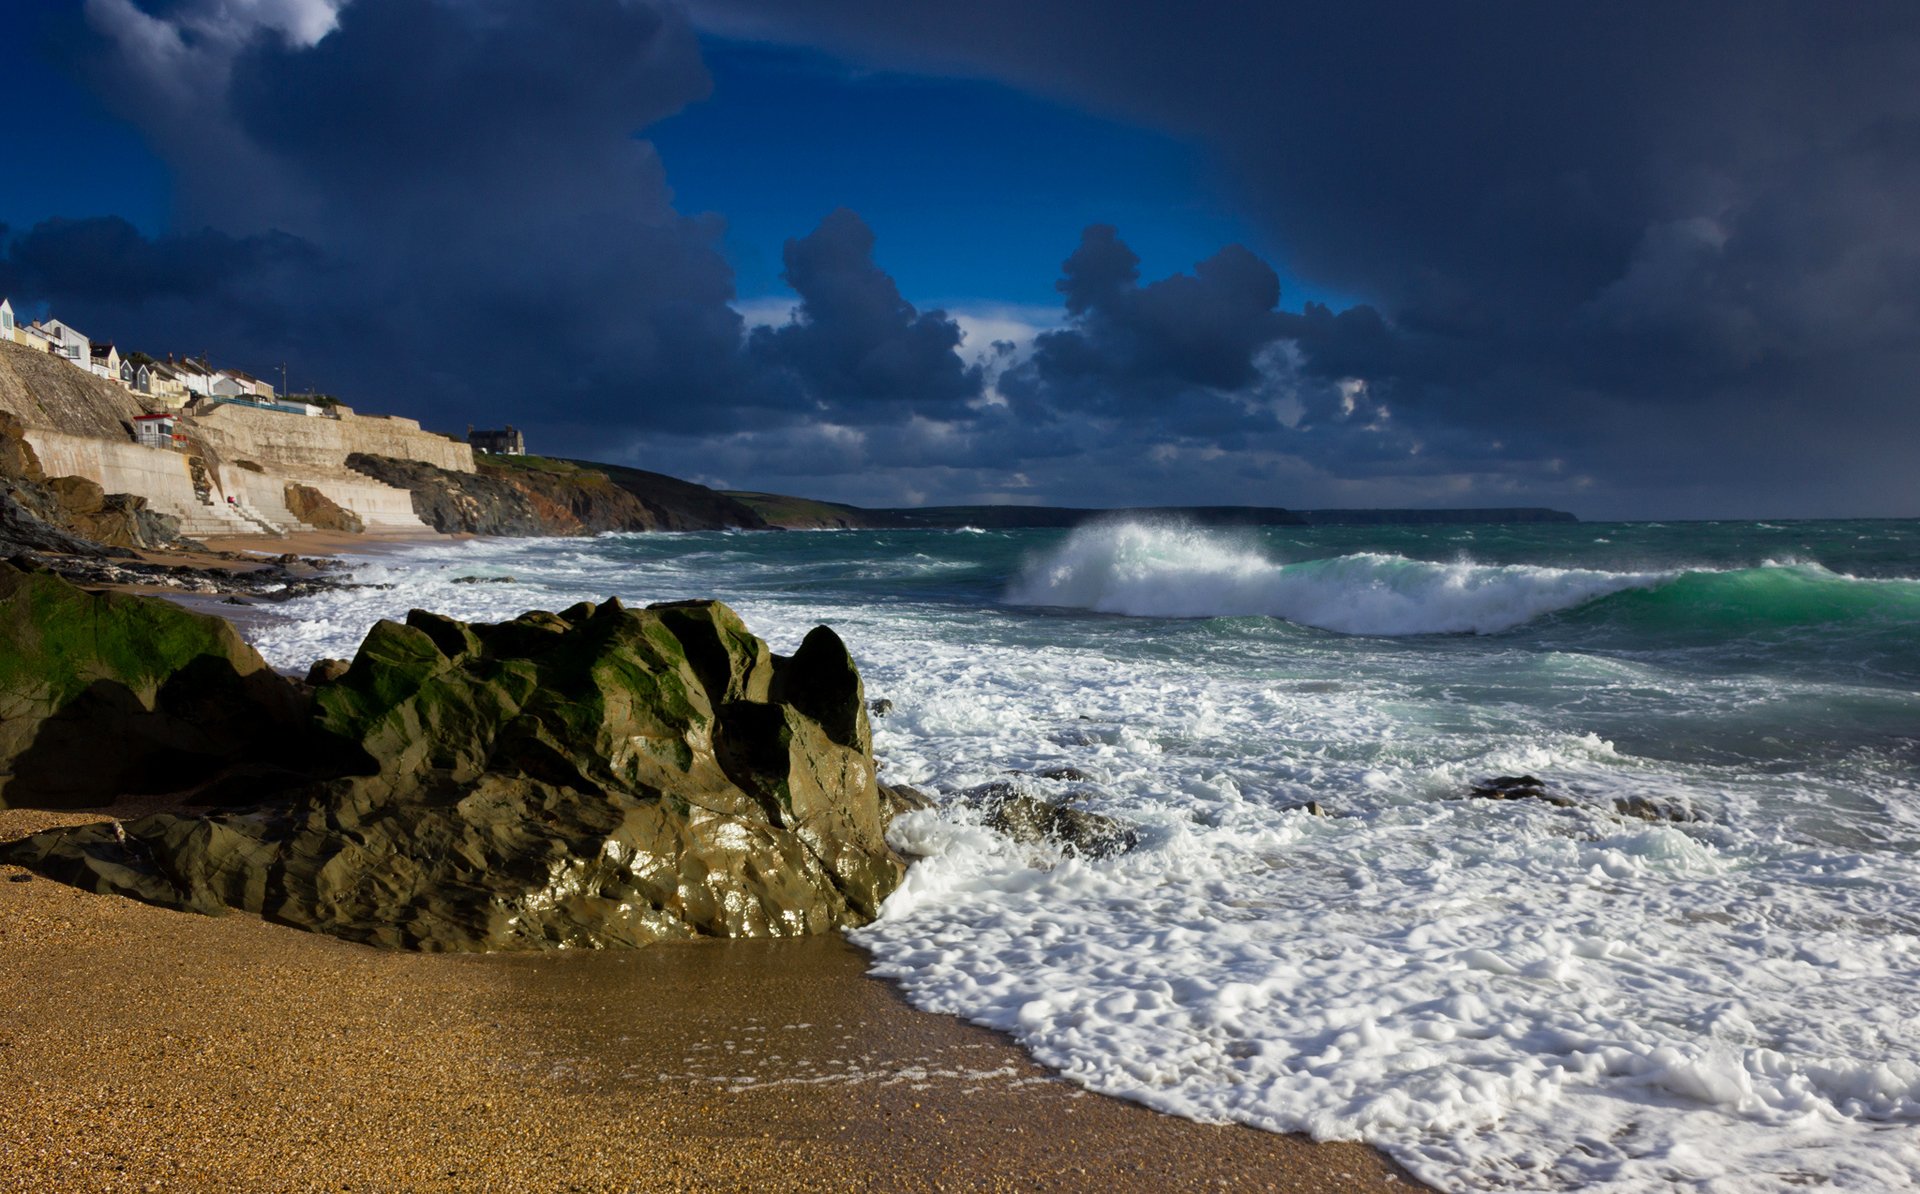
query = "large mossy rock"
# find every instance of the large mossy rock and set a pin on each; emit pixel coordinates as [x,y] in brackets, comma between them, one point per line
[599,777]
[105,694]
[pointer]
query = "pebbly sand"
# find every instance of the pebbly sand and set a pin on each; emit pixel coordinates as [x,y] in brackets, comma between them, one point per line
[142,1049]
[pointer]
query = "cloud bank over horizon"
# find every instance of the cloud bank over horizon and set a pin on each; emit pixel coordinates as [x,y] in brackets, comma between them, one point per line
[1653,262]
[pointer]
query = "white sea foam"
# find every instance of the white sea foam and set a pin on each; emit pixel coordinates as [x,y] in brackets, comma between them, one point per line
[1504,995]
[1176,572]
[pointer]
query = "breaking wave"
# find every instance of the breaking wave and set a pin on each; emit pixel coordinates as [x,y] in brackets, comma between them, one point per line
[1181,572]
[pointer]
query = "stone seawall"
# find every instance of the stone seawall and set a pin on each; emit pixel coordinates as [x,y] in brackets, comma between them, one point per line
[307,444]
[166,478]
[163,477]
[81,426]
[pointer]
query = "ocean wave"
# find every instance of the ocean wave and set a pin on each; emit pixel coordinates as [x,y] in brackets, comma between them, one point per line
[1143,570]
[1180,572]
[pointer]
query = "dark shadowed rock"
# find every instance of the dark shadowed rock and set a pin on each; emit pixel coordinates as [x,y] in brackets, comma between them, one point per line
[1521,787]
[880,708]
[326,671]
[597,777]
[102,694]
[1012,813]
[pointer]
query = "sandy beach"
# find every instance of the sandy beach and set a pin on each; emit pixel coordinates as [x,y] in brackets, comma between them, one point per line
[153,1050]
[145,1049]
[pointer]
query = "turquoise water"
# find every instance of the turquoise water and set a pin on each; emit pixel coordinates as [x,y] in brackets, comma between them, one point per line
[1504,995]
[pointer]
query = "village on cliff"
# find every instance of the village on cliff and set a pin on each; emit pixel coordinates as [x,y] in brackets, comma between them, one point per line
[219,450]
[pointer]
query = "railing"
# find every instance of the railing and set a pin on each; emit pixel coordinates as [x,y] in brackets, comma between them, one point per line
[211,401]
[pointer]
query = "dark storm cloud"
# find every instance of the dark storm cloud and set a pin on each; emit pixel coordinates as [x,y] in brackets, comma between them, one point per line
[1167,358]
[106,259]
[1674,246]
[446,208]
[854,344]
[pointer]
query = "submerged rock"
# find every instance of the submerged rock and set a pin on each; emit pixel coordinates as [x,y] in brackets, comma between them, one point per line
[1012,813]
[1521,787]
[598,777]
[1646,808]
[1529,787]
[105,694]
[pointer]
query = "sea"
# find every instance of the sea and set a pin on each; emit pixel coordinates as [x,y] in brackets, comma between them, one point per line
[1322,930]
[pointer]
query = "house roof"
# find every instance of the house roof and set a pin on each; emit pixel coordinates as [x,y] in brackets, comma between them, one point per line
[102,350]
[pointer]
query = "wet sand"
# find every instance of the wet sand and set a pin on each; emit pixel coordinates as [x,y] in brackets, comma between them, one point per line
[147,1049]
[326,543]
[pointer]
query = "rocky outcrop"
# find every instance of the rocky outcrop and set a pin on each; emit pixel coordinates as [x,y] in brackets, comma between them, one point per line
[43,390]
[458,503]
[70,515]
[1531,787]
[319,511]
[535,495]
[598,777]
[1014,814]
[571,499]
[675,505]
[103,694]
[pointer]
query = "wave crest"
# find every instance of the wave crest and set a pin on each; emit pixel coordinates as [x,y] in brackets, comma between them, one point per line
[1182,572]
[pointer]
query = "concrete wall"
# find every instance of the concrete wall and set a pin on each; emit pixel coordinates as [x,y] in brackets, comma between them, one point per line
[304,444]
[380,507]
[158,474]
[79,427]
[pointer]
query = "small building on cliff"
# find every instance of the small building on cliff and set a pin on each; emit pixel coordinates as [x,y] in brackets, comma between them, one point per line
[67,342]
[6,319]
[509,442]
[104,360]
[155,431]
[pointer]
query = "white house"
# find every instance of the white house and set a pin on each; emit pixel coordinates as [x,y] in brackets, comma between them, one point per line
[194,376]
[68,342]
[6,320]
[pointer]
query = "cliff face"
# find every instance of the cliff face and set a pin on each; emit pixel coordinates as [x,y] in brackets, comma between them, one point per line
[460,503]
[533,495]
[43,391]
[676,505]
[71,515]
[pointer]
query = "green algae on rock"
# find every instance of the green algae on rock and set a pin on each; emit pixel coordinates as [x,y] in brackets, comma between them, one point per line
[598,777]
[103,694]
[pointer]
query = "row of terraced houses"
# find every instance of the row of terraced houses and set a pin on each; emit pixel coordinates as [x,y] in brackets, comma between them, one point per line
[172,382]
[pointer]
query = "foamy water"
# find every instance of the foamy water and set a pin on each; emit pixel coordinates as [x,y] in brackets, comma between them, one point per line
[1503,995]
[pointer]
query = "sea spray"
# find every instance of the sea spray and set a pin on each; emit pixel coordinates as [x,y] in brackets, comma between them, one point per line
[1181,572]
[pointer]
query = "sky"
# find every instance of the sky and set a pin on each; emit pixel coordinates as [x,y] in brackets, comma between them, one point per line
[1633,260]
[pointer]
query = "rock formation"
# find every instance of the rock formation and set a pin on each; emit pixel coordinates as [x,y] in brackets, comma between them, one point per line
[67,514]
[106,694]
[319,511]
[1014,814]
[599,777]
[534,495]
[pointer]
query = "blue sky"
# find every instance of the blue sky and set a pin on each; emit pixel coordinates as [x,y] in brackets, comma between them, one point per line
[975,191]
